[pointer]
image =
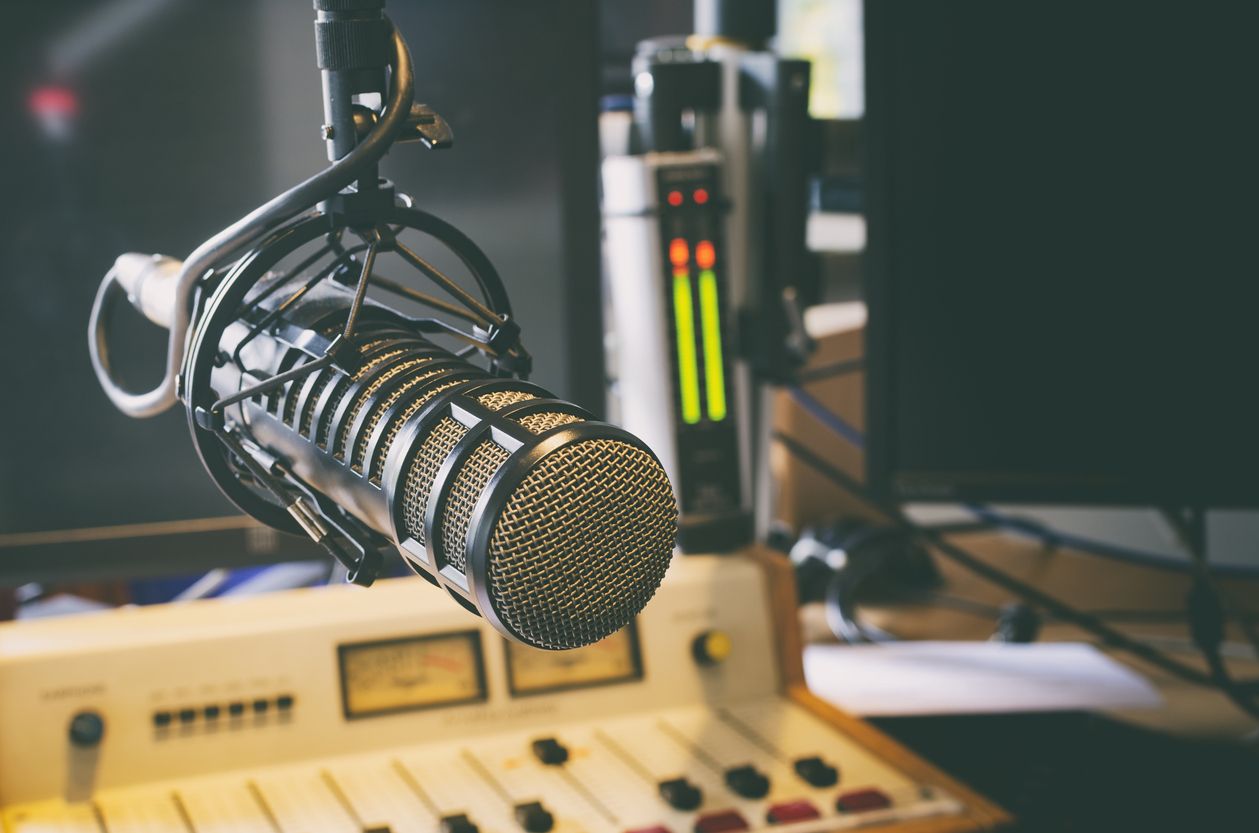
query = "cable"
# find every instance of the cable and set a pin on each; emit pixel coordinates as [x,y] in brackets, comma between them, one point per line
[1206,606]
[1053,538]
[1108,635]
[231,240]
[1024,526]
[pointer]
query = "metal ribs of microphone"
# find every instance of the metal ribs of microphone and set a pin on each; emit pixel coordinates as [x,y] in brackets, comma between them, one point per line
[555,527]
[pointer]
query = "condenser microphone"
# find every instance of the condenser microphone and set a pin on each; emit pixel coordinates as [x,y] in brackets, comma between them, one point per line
[320,411]
[555,527]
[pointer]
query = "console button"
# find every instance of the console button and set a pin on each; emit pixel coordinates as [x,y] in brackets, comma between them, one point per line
[722,822]
[681,794]
[458,823]
[747,781]
[550,751]
[791,811]
[534,818]
[859,801]
[816,772]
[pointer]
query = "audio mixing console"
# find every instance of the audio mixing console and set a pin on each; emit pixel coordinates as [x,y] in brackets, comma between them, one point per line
[343,709]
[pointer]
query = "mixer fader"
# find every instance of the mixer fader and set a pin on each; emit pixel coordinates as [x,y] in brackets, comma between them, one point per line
[404,718]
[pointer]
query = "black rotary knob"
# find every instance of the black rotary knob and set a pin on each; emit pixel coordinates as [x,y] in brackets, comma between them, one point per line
[87,729]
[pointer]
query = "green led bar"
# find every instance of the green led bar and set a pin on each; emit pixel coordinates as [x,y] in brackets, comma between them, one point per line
[714,370]
[688,367]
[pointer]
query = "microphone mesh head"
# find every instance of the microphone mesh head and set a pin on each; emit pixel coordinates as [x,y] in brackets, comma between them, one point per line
[582,543]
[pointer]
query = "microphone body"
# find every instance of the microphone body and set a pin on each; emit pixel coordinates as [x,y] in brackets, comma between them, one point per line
[555,527]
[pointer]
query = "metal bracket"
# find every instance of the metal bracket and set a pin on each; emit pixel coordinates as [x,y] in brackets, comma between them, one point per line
[424,125]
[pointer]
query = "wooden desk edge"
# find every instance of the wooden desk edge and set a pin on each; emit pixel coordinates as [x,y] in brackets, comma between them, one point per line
[981,814]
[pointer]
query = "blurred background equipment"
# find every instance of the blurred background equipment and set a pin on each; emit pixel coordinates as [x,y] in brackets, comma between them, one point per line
[1057,311]
[705,179]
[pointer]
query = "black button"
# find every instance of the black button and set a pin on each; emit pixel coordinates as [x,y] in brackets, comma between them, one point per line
[236,708]
[458,823]
[284,702]
[162,719]
[211,712]
[747,781]
[534,818]
[550,751]
[681,794]
[87,729]
[261,705]
[817,772]
[187,715]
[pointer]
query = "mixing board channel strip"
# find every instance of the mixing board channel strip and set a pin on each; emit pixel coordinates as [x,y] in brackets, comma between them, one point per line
[685,747]
[225,807]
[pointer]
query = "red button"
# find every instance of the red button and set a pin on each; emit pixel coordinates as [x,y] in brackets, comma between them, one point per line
[790,811]
[722,822]
[859,801]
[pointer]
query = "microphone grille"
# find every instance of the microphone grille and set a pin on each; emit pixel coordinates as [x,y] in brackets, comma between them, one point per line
[582,543]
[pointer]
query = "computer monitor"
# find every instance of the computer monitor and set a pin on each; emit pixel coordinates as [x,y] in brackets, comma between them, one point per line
[1062,271]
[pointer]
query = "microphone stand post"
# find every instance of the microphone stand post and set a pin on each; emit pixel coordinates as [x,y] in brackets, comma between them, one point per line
[353,47]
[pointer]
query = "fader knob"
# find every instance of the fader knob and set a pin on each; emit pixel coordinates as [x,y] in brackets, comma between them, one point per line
[457,823]
[816,772]
[550,751]
[534,818]
[681,794]
[747,781]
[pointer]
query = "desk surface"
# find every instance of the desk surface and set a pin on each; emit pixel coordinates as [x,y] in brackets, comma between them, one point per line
[1088,583]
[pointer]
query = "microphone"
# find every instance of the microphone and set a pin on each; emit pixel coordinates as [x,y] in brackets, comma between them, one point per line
[319,410]
[555,527]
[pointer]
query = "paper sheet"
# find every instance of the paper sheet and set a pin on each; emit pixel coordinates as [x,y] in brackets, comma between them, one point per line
[914,678]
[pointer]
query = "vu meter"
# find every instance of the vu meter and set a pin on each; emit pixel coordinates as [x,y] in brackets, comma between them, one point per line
[612,660]
[674,385]
[385,677]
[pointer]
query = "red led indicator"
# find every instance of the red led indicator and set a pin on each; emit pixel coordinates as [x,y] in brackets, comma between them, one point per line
[705,256]
[679,252]
[53,101]
[700,196]
[675,198]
